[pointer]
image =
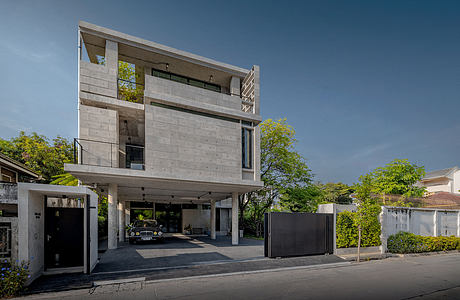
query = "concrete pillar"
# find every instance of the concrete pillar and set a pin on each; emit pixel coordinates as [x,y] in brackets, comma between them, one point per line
[235,86]
[127,212]
[458,224]
[112,215]
[435,223]
[121,220]
[213,219]
[111,57]
[235,229]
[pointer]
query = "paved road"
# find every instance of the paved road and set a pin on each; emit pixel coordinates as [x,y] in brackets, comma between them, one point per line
[423,277]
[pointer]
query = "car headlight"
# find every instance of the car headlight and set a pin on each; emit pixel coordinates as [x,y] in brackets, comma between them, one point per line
[132,233]
[137,233]
[155,233]
[160,233]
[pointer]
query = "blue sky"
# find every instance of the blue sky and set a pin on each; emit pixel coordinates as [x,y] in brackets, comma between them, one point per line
[362,82]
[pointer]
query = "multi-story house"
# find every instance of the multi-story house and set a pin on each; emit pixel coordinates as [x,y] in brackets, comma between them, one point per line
[165,131]
[445,180]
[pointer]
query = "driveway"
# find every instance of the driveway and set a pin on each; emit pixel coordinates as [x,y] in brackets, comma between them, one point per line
[178,250]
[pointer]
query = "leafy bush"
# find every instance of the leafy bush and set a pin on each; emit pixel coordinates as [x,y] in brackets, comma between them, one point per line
[405,242]
[13,278]
[347,231]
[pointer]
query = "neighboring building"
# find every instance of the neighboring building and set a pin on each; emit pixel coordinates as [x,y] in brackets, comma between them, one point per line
[445,180]
[179,138]
[53,227]
[13,171]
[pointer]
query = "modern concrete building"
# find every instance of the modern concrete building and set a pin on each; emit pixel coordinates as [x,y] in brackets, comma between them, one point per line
[166,131]
[445,180]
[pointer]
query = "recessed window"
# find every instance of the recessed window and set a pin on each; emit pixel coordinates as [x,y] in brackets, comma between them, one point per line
[246,142]
[186,80]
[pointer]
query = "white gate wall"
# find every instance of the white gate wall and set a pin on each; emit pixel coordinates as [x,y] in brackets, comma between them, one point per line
[419,221]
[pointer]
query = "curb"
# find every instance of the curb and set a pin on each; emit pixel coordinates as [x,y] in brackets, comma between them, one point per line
[311,267]
[426,253]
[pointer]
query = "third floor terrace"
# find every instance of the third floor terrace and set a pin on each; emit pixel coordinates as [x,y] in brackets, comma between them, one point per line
[120,67]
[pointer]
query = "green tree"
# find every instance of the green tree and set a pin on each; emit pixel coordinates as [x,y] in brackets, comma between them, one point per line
[282,167]
[42,155]
[301,198]
[398,177]
[367,207]
[339,193]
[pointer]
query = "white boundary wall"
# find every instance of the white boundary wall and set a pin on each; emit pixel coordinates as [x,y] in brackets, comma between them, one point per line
[420,221]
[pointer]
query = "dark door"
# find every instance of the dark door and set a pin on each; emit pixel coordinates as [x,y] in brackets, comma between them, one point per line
[63,237]
[217,219]
[294,234]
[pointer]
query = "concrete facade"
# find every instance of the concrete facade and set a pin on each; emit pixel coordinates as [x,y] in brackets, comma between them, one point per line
[178,142]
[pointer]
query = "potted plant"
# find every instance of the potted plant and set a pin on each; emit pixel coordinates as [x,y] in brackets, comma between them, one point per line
[188,229]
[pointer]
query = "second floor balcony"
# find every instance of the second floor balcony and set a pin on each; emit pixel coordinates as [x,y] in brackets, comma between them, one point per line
[106,154]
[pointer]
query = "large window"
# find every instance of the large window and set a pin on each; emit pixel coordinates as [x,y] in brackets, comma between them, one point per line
[246,139]
[135,157]
[186,80]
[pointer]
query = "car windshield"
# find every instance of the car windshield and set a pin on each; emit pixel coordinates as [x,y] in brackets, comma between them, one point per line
[145,223]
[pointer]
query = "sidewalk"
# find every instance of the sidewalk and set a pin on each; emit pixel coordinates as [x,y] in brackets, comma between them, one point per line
[80,281]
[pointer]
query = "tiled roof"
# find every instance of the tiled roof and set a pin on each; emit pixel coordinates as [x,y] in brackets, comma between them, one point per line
[442,200]
[440,173]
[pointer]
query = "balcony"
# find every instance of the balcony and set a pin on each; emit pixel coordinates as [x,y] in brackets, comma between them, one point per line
[106,154]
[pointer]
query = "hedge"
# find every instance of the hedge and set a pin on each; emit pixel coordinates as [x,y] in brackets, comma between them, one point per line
[405,242]
[347,232]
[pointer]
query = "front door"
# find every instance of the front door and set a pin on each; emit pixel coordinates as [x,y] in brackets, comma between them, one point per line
[64,233]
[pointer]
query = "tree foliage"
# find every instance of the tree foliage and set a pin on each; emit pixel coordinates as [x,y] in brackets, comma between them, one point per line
[301,198]
[42,155]
[339,193]
[282,169]
[398,177]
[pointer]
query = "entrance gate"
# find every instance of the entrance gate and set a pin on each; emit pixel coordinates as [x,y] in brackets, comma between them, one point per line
[295,234]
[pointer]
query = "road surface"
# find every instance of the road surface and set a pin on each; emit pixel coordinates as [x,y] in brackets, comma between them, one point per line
[421,277]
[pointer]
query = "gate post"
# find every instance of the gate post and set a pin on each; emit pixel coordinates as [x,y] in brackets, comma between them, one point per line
[235,227]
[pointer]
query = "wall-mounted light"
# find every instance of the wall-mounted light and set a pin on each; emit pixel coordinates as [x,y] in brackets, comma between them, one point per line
[211,78]
[167,66]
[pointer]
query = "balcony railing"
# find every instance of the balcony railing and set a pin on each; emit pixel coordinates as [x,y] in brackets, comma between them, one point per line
[130,91]
[107,154]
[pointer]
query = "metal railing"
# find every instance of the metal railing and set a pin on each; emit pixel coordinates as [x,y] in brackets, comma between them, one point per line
[104,154]
[130,91]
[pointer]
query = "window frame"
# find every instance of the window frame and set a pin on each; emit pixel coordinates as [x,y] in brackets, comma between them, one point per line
[250,161]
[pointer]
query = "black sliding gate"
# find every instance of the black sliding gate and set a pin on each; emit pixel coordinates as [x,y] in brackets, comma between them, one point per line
[295,234]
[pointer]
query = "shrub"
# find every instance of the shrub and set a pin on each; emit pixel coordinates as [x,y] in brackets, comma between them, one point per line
[13,278]
[405,242]
[347,232]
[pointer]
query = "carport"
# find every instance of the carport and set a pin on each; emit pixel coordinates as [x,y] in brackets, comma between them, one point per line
[177,251]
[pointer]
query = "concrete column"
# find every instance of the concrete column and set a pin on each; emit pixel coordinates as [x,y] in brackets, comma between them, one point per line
[458,224]
[235,229]
[121,220]
[111,57]
[435,223]
[235,86]
[127,212]
[213,219]
[112,215]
